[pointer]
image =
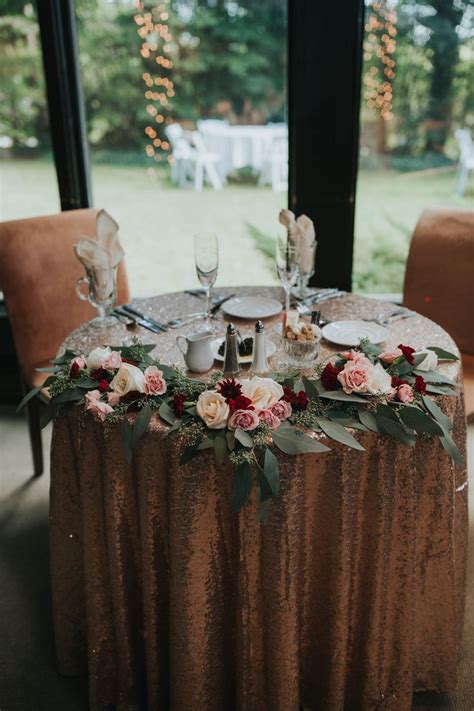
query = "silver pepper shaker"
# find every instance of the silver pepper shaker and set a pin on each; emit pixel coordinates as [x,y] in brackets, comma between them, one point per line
[259,360]
[231,353]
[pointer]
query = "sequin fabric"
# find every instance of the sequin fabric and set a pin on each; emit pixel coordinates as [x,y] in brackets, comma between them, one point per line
[351,596]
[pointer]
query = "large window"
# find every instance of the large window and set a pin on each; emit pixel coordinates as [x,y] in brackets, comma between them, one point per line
[417,108]
[28,184]
[186,111]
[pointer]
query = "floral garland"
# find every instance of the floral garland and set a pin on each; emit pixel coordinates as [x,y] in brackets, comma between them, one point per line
[249,421]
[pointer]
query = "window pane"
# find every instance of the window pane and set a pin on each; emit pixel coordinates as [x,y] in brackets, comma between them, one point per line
[176,93]
[417,93]
[28,185]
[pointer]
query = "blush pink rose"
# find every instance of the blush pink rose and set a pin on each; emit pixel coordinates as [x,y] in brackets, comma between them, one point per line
[405,393]
[354,377]
[356,357]
[390,357]
[269,418]
[95,405]
[113,398]
[243,420]
[155,383]
[113,361]
[282,410]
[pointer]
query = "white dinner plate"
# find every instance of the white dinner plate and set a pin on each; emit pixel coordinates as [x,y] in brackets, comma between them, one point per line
[270,348]
[350,333]
[251,307]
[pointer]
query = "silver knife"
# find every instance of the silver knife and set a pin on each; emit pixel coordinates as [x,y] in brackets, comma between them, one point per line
[134,312]
[138,321]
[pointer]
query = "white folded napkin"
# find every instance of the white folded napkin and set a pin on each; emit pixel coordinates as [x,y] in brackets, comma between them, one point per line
[103,251]
[301,233]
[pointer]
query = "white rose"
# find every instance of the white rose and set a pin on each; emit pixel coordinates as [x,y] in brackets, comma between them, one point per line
[306,229]
[264,392]
[128,379]
[213,409]
[97,358]
[429,362]
[379,382]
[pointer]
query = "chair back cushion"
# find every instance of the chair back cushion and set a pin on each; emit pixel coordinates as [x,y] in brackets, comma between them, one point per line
[439,277]
[38,274]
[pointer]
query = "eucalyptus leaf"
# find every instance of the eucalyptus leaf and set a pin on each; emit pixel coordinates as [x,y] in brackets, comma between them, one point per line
[230,436]
[206,443]
[341,396]
[437,413]
[220,447]
[265,490]
[50,369]
[431,377]
[28,397]
[339,433]
[451,448]
[346,420]
[402,368]
[189,453]
[47,416]
[440,391]
[389,424]
[271,471]
[127,435]
[263,510]
[241,486]
[244,438]
[64,358]
[368,419]
[87,384]
[292,441]
[68,396]
[141,424]
[442,354]
[369,348]
[166,413]
[418,420]
[310,388]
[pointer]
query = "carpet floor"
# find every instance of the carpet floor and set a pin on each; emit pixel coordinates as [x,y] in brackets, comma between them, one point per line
[28,678]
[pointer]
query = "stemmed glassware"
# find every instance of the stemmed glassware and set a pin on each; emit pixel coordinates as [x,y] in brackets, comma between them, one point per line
[307,268]
[287,264]
[206,256]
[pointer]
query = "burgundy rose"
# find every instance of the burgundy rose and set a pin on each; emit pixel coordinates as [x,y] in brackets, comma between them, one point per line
[178,404]
[408,353]
[420,385]
[329,377]
[298,401]
[99,374]
[74,371]
[240,403]
[103,385]
[230,389]
[396,381]
[130,361]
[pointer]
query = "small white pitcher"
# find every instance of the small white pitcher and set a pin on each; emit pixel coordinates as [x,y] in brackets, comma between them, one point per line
[197,352]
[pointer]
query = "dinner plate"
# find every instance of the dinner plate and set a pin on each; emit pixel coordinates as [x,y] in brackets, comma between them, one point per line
[251,307]
[350,333]
[270,348]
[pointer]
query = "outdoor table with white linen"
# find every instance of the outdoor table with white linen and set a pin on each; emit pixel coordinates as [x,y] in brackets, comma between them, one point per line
[350,596]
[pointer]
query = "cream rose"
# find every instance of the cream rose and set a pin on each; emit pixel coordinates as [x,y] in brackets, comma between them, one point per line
[97,358]
[213,409]
[264,392]
[129,378]
[379,382]
[429,362]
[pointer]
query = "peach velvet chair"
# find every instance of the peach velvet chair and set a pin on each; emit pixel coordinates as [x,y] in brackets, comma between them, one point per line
[439,280]
[38,274]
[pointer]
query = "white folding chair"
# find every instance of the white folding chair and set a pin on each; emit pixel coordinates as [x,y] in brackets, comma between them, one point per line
[466,158]
[275,166]
[205,164]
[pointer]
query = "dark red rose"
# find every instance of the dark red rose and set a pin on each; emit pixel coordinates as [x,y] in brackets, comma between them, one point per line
[408,353]
[99,374]
[396,381]
[103,385]
[230,389]
[240,403]
[329,377]
[178,404]
[298,401]
[302,401]
[420,385]
[133,397]
[74,372]
[129,360]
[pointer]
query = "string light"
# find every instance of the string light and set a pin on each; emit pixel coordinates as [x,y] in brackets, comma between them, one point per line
[379,45]
[156,48]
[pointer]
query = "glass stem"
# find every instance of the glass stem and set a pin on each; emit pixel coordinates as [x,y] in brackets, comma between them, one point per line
[287,298]
[208,300]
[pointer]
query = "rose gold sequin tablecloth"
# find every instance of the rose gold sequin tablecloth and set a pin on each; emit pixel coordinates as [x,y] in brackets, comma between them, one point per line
[350,597]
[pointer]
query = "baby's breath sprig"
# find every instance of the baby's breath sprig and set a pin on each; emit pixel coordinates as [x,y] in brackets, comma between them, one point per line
[193,432]
[62,383]
[215,377]
[241,456]
[119,413]
[187,386]
[262,435]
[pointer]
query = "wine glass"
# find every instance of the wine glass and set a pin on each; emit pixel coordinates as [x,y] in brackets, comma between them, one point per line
[206,257]
[287,264]
[307,267]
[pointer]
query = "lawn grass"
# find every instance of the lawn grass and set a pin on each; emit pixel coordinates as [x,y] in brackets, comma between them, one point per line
[158,221]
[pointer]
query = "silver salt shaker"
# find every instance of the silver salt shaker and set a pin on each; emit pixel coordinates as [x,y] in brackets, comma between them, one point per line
[259,360]
[231,353]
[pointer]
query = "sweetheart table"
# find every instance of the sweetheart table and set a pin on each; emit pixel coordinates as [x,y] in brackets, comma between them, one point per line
[350,596]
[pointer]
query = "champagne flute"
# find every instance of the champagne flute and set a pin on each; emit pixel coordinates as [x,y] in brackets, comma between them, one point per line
[307,267]
[206,257]
[287,264]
